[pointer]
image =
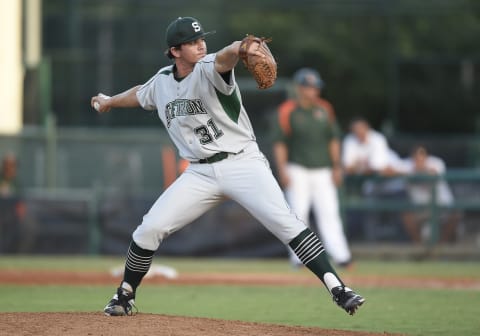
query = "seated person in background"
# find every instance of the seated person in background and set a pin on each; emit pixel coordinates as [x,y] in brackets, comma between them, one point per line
[366,151]
[420,193]
[366,159]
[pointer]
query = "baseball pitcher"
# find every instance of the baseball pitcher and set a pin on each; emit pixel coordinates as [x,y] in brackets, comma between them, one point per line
[198,101]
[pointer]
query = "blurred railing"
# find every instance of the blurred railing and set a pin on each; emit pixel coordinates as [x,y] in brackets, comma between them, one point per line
[93,220]
[380,194]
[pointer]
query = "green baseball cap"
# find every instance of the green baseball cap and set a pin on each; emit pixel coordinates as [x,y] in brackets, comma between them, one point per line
[183,30]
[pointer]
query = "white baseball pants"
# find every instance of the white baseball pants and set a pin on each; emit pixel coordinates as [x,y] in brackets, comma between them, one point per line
[315,188]
[246,178]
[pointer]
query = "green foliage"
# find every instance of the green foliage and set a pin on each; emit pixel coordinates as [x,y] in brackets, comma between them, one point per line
[368,52]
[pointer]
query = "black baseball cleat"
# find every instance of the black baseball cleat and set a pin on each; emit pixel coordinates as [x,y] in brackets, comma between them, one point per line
[121,304]
[347,299]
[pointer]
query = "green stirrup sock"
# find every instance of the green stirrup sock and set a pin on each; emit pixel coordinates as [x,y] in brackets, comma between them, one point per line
[137,265]
[309,249]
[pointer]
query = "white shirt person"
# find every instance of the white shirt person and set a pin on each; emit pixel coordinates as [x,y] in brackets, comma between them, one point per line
[364,150]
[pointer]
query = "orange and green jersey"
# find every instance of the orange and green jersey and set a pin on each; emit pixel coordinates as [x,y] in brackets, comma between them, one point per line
[307,133]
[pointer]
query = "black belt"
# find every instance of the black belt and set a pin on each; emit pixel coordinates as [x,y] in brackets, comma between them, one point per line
[214,158]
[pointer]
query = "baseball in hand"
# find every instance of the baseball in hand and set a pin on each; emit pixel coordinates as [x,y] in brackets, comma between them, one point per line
[96,105]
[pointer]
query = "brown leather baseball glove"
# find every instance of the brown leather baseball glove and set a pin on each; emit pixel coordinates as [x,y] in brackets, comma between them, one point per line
[263,69]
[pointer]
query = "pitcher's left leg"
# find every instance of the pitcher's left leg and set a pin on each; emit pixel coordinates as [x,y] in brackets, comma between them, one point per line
[250,182]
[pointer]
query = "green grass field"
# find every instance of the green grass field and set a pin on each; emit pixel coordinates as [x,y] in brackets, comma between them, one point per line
[407,311]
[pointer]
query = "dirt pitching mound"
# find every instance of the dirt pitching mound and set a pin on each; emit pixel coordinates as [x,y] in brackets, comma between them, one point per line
[76,324]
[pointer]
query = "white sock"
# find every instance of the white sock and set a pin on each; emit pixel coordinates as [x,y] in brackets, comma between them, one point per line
[126,285]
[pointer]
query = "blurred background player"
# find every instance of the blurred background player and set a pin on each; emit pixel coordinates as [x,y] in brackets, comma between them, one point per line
[307,154]
[421,192]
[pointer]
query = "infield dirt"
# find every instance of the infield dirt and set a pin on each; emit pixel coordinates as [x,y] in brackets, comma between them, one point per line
[76,324]
[44,277]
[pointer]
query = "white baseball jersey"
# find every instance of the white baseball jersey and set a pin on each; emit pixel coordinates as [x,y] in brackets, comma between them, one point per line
[202,113]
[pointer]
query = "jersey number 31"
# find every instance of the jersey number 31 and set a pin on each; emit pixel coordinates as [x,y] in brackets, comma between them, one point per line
[207,133]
